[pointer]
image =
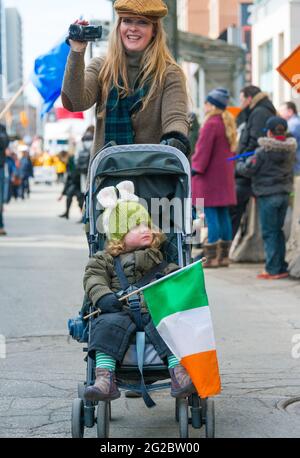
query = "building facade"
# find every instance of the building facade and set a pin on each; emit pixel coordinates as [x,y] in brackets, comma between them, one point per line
[211,18]
[276,34]
[14,49]
[2,51]
[219,61]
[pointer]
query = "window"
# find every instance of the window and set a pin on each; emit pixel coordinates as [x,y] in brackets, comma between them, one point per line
[244,13]
[266,67]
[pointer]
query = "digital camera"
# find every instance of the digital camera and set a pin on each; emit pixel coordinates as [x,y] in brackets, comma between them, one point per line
[84,33]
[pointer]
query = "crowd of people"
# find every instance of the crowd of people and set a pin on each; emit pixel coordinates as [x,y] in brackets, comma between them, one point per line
[256,156]
[19,160]
[265,142]
[16,169]
[76,174]
[267,149]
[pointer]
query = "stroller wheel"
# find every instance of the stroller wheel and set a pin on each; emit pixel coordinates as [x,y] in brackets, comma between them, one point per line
[208,412]
[177,410]
[110,418]
[103,417]
[183,417]
[77,419]
[196,411]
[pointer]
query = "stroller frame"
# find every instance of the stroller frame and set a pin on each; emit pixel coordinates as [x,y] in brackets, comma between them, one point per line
[83,412]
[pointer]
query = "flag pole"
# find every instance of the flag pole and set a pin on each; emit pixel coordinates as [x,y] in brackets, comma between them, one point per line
[137,291]
[13,99]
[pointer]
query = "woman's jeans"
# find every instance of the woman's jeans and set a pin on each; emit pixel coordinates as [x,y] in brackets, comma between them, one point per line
[219,224]
[25,187]
[272,212]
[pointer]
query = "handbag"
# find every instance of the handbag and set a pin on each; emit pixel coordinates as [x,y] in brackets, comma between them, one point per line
[16,180]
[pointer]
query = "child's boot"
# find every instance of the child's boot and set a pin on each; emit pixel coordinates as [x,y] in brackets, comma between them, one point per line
[105,387]
[181,383]
[210,253]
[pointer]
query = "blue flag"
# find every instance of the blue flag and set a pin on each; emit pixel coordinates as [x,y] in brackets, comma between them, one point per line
[234,158]
[48,74]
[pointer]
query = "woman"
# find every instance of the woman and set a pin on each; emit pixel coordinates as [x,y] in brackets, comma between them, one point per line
[138,88]
[213,175]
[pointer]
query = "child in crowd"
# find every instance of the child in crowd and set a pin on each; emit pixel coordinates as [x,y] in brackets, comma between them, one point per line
[131,236]
[271,170]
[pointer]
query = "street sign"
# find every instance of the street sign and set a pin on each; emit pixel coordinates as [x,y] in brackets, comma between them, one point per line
[289,69]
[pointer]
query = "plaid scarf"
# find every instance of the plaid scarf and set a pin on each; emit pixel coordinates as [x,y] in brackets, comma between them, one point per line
[118,125]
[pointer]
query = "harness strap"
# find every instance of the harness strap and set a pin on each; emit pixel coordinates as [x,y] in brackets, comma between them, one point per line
[135,308]
[140,349]
[120,273]
[134,300]
[150,275]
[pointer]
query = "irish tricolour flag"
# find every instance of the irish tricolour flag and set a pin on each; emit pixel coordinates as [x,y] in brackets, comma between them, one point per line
[179,308]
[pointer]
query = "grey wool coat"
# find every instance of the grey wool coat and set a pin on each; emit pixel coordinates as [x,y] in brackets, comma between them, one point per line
[165,113]
[271,167]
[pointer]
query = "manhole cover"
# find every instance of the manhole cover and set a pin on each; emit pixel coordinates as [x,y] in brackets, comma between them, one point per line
[290,405]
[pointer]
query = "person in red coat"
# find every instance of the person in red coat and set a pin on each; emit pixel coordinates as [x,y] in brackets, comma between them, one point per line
[213,175]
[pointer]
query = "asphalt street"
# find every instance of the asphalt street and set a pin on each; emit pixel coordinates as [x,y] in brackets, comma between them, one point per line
[257,327]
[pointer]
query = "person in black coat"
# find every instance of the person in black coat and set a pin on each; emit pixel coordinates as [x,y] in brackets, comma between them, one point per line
[26,172]
[256,110]
[72,187]
[4,141]
[271,170]
[83,159]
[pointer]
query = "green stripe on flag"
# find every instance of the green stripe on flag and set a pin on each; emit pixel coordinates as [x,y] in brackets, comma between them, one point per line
[182,291]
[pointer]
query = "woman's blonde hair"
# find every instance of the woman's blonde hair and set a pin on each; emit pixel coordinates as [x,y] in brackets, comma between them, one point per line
[229,123]
[155,61]
[117,247]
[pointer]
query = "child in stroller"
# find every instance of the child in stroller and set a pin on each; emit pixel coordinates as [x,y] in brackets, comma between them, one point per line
[134,244]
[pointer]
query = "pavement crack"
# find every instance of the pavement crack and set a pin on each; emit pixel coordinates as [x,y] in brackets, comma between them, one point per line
[33,429]
[56,387]
[265,388]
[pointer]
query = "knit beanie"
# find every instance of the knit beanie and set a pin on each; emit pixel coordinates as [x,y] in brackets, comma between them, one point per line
[121,213]
[148,8]
[275,122]
[219,97]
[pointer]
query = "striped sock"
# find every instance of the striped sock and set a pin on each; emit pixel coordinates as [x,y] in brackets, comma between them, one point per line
[172,361]
[105,361]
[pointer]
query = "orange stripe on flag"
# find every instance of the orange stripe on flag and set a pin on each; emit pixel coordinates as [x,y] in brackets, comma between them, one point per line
[204,371]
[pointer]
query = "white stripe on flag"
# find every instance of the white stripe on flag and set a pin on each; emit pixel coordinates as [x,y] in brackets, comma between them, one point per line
[188,332]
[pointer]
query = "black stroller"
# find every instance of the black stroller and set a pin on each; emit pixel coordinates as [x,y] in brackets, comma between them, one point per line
[157,172]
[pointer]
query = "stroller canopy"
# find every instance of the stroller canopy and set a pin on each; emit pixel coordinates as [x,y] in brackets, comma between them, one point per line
[158,172]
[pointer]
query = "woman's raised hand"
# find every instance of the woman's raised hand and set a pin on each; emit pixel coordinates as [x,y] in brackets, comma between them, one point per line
[79,46]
